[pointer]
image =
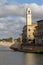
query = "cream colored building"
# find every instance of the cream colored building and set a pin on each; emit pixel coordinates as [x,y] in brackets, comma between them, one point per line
[30,34]
[29,28]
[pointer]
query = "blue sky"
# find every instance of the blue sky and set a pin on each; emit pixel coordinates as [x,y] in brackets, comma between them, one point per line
[40,2]
[13,16]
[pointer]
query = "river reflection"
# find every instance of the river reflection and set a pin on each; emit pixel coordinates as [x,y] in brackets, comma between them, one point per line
[9,57]
[33,59]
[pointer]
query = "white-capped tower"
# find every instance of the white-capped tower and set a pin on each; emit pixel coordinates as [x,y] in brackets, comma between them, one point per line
[28,17]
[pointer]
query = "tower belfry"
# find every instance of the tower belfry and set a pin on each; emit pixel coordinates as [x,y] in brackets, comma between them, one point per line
[28,17]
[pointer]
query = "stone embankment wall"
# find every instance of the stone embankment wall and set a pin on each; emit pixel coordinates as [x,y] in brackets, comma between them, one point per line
[33,48]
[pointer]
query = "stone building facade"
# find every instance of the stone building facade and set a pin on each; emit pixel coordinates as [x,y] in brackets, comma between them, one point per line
[39,32]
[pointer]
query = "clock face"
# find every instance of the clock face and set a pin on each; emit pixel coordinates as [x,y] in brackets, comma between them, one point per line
[28,12]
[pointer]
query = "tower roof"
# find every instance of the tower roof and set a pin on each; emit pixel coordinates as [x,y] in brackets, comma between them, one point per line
[28,9]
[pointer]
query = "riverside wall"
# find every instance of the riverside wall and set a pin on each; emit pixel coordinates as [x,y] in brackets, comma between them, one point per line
[32,47]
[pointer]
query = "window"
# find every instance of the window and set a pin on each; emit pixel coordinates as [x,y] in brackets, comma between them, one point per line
[33,33]
[29,35]
[34,30]
[29,40]
[28,12]
[28,29]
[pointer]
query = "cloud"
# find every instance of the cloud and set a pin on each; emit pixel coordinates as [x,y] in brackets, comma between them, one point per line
[3,1]
[13,17]
[2,26]
[11,27]
[20,10]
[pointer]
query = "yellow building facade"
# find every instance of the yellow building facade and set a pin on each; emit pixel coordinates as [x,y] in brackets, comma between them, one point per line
[29,34]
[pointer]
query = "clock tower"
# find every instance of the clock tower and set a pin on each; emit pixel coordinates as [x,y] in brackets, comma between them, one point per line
[28,23]
[28,17]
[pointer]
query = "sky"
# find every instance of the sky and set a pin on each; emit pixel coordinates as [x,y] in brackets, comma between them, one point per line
[13,16]
[40,2]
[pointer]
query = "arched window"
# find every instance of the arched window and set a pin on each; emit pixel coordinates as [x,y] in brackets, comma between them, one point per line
[28,12]
[28,29]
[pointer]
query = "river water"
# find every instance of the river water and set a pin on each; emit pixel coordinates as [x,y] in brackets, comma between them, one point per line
[9,57]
